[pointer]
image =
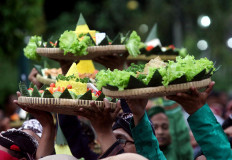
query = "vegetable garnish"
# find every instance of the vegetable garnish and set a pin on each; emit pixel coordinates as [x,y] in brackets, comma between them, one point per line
[30,49]
[166,72]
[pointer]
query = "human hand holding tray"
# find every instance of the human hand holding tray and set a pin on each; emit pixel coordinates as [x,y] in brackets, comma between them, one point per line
[157,78]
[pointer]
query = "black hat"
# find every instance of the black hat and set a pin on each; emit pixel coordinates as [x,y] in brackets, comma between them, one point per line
[123,122]
[20,142]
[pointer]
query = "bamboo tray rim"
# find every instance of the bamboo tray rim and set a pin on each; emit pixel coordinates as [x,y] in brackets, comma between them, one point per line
[159,91]
[93,52]
[60,105]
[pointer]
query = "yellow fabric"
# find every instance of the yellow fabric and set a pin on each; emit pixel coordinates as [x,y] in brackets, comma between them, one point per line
[85,66]
[62,149]
[73,71]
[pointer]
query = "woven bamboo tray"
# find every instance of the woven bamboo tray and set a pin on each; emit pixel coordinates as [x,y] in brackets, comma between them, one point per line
[160,91]
[43,80]
[148,58]
[93,52]
[59,105]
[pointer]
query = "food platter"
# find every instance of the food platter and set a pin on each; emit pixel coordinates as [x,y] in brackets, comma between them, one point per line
[150,92]
[93,52]
[60,105]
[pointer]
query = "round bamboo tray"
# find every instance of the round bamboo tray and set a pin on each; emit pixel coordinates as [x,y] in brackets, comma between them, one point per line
[59,105]
[43,80]
[93,52]
[148,58]
[159,91]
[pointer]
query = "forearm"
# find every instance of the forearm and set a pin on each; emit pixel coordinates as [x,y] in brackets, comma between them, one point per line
[46,143]
[209,134]
[106,139]
[145,141]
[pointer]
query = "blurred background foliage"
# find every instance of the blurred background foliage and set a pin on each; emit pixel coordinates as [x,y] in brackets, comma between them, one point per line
[177,20]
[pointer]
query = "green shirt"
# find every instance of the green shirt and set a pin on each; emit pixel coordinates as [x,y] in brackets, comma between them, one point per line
[145,141]
[210,135]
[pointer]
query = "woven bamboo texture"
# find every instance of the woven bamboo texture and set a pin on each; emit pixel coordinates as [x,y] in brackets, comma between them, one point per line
[59,105]
[93,52]
[150,92]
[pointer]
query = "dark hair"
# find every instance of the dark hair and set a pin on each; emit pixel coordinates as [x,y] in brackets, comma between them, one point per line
[88,131]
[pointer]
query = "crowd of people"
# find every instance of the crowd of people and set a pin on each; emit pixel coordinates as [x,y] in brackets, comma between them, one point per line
[185,126]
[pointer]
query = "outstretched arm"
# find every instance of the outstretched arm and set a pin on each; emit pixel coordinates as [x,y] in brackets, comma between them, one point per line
[145,141]
[206,130]
[46,143]
[102,120]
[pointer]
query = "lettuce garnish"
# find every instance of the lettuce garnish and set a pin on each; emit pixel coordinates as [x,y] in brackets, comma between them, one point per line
[69,43]
[134,44]
[187,66]
[114,78]
[30,49]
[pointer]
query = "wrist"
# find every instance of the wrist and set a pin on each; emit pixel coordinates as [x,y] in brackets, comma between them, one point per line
[137,118]
[103,131]
[106,139]
[193,110]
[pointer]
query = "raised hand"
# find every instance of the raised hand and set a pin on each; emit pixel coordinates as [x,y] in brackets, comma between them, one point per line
[32,78]
[45,118]
[194,100]
[137,107]
[102,120]
[46,143]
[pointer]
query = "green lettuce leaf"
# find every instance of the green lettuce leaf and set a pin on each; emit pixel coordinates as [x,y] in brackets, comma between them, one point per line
[115,78]
[187,66]
[133,44]
[69,42]
[135,68]
[30,49]
[83,45]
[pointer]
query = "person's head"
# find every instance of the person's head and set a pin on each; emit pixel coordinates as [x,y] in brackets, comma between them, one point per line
[201,157]
[126,156]
[161,125]
[33,128]
[17,144]
[122,132]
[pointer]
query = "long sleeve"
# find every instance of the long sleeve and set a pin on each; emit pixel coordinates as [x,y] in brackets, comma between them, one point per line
[145,141]
[77,142]
[209,134]
[179,134]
